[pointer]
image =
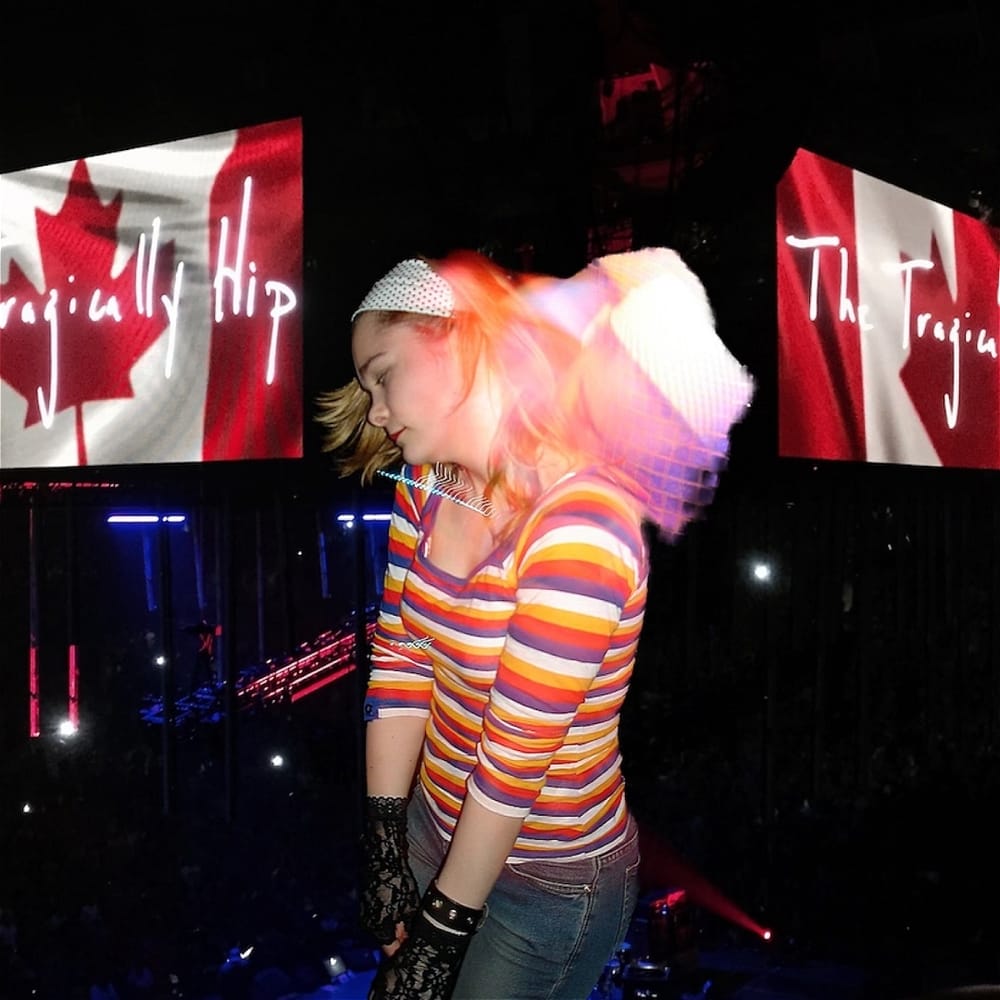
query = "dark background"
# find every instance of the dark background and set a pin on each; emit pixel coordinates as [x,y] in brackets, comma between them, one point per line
[824,749]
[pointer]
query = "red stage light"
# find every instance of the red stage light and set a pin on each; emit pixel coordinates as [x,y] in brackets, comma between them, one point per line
[661,864]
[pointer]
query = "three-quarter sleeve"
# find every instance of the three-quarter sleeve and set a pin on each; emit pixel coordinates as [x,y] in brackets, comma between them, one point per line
[402,674]
[581,567]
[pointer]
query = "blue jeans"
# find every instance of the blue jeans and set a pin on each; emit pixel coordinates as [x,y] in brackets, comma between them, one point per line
[553,926]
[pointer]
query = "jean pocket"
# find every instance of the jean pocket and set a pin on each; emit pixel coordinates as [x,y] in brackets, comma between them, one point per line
[630,899]
[572,879]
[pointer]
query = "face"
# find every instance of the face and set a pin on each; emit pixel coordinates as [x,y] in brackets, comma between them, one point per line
[416,387]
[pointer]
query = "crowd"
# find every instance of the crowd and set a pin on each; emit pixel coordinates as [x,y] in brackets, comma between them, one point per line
[102,897]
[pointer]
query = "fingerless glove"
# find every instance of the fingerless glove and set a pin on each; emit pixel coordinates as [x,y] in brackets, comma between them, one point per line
[426,966]
[389,891]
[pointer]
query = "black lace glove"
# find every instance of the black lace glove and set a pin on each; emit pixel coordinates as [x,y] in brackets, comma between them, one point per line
[426,965]
[389,891]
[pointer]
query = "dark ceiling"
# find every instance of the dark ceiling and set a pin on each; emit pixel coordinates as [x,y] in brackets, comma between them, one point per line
[457,112]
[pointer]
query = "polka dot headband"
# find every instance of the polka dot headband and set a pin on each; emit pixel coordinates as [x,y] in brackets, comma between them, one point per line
[411,286]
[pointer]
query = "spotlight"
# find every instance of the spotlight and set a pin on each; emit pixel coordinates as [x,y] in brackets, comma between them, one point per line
[671,928]
[145,518]
[671,961]
[67,728]
[26,808]
[335,966]
[277,760]
[348,519]
[236,958]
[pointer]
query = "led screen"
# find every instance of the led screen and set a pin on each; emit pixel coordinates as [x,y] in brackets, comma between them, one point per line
[887,323]
[150,304]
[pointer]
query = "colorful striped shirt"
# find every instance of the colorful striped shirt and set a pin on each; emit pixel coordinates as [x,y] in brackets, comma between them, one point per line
[522,668]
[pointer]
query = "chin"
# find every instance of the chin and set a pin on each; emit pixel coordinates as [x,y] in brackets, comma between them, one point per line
[413,456]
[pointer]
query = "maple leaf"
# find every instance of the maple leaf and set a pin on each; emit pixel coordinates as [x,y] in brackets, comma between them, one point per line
[962,425]
[95,355]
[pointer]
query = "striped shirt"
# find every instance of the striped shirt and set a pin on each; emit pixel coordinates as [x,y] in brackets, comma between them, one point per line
[520,669]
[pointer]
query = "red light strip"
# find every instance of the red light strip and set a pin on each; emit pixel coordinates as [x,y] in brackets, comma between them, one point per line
[34,719]
[322,683]
[293,674]
[297,682]
[74,682]
[277,677]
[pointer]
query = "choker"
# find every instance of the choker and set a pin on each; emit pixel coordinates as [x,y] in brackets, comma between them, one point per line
[451,486]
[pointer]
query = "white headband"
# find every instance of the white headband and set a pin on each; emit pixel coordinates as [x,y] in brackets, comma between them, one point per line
[411,286]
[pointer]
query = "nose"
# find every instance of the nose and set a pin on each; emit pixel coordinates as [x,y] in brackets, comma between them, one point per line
[378,414]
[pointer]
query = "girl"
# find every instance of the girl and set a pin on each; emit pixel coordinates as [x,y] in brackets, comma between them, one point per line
[501,855]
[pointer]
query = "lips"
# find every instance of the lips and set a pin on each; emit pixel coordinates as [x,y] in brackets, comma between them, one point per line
[394,437]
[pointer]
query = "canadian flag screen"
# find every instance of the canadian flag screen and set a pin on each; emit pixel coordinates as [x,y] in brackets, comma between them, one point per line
[150,304]
[888,316]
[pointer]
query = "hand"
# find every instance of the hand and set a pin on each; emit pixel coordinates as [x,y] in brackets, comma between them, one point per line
[389,893]
[401,936]
[426,965]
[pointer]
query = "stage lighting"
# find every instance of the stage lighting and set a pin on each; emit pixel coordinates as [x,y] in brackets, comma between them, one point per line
[26,808]
[669,967]
[335,967]
[66,728]
[277,760]
[671,929]
[348,519]
[146,518]
[236,958]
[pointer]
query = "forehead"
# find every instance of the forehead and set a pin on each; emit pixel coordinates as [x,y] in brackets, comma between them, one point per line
[375,332]
[371,334]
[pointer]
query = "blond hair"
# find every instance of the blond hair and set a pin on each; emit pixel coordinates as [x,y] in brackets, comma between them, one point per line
[532,360]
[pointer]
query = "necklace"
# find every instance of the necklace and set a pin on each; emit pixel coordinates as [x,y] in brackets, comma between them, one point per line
[449,485]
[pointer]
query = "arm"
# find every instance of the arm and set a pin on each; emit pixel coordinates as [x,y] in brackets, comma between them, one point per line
[480,846]
[396,709]
[578,565]
[399,686]
[438,933]
[392,750]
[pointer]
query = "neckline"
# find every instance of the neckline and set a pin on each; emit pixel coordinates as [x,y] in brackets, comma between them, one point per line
[429,518]
[427,529]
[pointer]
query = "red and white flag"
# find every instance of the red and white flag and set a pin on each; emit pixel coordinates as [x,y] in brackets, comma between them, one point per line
[150,304]
[888,322]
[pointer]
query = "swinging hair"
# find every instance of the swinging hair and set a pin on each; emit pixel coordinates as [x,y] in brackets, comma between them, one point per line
[533,362]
